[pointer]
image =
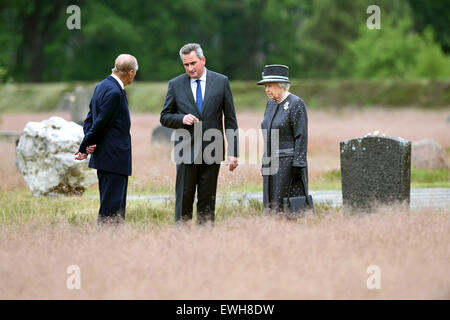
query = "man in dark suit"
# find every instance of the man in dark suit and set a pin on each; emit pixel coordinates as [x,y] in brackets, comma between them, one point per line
[199,101]
[107,138]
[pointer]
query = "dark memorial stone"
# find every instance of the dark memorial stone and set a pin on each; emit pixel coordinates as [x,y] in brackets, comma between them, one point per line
[375,170]
[161,135]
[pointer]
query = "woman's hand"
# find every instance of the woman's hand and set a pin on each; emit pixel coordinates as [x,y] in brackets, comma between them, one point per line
[232,163]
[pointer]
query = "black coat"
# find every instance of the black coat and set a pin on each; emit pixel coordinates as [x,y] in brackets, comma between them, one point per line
[291,120]
[108,126]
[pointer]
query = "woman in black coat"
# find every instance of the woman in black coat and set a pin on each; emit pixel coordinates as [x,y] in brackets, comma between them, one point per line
[285,131]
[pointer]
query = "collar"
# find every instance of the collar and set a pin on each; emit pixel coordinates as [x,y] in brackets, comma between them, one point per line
[202,78]
[118,80]
[286,94]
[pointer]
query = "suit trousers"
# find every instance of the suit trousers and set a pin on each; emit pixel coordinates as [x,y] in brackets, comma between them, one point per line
[113,196]
[190,177]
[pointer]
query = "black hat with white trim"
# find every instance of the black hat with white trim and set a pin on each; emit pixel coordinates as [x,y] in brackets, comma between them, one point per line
[275,73]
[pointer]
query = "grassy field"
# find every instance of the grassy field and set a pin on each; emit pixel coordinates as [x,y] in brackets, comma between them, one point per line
[246,255]
[420,178]
[154,171]
[318,94]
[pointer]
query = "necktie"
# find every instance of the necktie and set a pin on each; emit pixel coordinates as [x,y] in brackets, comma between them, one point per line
[125,93]
[198,98]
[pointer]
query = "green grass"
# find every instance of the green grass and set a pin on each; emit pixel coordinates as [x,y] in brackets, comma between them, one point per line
[20,207]
[23,97]
[330,180]
[323,93]
[420,178]
[144,212]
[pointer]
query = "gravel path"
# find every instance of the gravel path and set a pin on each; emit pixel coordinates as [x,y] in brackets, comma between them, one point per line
[433,198]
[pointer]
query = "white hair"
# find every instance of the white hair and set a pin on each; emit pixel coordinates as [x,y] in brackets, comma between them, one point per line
[284,85]
[188,48]
[124,63]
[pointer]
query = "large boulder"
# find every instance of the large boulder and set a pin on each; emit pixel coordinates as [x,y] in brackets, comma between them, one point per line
[428,154]
[45,158]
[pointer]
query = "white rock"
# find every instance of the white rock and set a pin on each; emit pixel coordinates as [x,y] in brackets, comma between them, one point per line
[45,158]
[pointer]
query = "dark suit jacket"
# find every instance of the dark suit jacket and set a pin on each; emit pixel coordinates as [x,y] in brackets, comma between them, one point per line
[108,126]
[217,109]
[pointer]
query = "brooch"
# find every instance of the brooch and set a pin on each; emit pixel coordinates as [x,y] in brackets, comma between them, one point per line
[286,105]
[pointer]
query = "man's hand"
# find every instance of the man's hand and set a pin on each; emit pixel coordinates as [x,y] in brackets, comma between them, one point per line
[91,149]
[232,163]
[80,156]
[189,119]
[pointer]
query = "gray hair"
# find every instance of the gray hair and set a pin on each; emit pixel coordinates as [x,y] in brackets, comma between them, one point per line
[124,63]
[284,85]
[188,48]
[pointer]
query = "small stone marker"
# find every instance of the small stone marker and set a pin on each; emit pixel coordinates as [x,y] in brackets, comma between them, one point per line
[162,135]
[428,154]
[67,101]
[81,105]
[10,136]
[77,103]
[375,170]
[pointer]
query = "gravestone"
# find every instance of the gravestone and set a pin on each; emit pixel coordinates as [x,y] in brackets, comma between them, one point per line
[10,136]
[80,109]
[77,103]
[375,170]
[66,102]
[428,154]
[162,135]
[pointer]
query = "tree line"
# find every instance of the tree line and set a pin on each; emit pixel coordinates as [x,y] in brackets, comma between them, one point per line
[315,38]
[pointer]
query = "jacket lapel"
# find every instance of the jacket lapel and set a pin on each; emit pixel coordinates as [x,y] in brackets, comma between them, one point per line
[275,109]
[270,115]
[209,86]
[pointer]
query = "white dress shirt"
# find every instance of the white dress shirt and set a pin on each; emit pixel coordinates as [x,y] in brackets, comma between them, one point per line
[202,83]
[118,80]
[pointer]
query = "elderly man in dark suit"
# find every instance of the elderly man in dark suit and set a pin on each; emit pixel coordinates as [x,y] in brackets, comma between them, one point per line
[107,138]
[200,100]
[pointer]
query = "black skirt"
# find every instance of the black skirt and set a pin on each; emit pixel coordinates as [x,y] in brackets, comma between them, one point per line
[276,186]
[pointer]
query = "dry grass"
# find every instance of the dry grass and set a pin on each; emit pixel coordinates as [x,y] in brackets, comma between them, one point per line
[240,258]
[245,256]
[153,169]
[10,177]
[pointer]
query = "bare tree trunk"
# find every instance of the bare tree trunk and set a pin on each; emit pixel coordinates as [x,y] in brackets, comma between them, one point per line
[36,27]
